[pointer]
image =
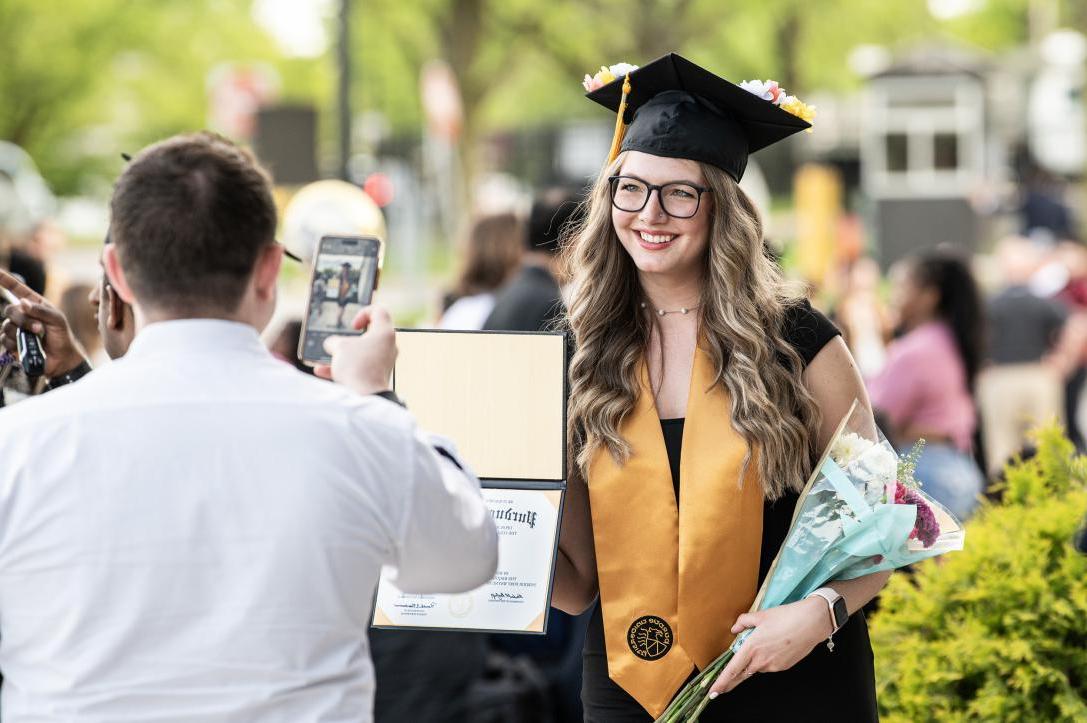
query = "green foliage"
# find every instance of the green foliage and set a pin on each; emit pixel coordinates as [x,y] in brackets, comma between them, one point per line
[84,80]
[907,464]
[999,631]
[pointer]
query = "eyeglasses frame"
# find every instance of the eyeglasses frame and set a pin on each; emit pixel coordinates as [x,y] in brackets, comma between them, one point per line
[660,198]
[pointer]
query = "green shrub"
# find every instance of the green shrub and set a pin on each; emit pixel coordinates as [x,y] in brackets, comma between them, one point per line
[997,632]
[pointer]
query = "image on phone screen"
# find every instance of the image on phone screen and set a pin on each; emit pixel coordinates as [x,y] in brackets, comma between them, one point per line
[342,283]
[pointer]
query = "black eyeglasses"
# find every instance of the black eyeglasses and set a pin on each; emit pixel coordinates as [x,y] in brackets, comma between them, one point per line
[678,199]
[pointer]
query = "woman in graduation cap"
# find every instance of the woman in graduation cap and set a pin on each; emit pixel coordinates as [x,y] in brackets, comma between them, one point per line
[701,391]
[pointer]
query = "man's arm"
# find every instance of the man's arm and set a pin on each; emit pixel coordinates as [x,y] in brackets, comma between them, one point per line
[448,542]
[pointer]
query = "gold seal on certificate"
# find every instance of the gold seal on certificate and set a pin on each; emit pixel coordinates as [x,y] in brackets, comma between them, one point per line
[501,397]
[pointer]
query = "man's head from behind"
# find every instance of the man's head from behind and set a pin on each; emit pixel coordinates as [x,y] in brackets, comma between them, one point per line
[193,228]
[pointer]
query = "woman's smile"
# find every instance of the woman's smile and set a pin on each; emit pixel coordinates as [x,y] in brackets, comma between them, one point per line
[655,240]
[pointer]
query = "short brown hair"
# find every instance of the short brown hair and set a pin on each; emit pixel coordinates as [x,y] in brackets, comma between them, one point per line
[190,215]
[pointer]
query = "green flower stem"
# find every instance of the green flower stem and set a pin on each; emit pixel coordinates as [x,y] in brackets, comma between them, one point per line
[693,718]
[694,696]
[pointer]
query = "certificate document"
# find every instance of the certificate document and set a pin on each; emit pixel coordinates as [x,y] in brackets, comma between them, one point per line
[518,598]
[501,398]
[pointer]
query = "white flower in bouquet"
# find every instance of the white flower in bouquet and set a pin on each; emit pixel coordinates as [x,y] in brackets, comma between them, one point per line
[848,448]
[880,463]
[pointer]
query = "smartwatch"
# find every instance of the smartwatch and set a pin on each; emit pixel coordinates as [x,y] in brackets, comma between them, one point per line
[839,613]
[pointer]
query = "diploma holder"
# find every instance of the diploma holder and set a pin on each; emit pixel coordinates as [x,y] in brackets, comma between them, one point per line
[501,397]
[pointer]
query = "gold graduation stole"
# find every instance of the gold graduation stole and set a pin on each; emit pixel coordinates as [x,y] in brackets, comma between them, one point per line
[673,579]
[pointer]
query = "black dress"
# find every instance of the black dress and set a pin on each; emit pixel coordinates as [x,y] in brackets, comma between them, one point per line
[824,686]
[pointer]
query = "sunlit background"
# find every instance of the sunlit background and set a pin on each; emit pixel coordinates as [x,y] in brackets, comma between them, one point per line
[438,108]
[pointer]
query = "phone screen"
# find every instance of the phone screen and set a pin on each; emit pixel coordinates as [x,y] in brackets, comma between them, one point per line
[342,282]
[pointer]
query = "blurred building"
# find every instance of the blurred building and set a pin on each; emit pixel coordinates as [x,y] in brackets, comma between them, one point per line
[937,145]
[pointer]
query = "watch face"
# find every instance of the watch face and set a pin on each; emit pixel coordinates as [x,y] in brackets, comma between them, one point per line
[841,613]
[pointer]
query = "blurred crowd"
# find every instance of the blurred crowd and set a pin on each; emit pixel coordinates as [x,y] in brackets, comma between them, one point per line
[965,353]
[970,354]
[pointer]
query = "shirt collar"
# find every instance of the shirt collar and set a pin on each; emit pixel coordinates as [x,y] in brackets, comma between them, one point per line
[186,336]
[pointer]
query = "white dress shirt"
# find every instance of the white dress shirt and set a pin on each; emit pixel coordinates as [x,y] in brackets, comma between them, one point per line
[195,533]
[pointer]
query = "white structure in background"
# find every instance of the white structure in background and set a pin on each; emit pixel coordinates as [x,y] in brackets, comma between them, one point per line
[923,151]
[24,196]
[330,207]
[1058,120]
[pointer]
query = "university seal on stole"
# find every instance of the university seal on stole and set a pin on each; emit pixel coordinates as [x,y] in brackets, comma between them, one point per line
[650,637]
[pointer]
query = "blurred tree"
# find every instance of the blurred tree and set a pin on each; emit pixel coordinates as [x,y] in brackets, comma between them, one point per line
[85,80]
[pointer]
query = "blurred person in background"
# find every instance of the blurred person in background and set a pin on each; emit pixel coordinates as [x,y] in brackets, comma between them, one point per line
[1045,215]
[18,261]
[76,306]
[1064,278]
[490,253]
[925,390]
[45,241]
[532,300]
[1020,387]
[861,316]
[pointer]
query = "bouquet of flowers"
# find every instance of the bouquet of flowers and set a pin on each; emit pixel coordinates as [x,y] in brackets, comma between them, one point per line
[861,512]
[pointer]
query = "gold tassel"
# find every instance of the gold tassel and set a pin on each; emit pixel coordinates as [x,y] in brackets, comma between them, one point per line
[620,126]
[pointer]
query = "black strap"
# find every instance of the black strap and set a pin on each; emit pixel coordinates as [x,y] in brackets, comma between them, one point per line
[390,395]
[68,377]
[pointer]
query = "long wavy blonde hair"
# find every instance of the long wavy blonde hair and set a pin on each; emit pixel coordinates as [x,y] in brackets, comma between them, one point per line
[743,303]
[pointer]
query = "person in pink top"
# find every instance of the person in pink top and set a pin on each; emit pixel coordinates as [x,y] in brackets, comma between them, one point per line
[925,389]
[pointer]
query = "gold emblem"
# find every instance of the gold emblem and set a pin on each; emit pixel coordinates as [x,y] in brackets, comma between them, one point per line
[650,637]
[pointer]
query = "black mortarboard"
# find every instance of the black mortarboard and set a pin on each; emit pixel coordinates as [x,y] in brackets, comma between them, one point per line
[681,110]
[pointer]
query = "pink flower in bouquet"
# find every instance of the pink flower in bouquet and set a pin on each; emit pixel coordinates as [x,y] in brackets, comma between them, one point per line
[926,528]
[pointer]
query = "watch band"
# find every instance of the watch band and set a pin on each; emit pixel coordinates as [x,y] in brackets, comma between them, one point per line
[833,600]
[68,377]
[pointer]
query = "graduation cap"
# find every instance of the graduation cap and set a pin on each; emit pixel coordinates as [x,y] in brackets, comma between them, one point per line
[675,108]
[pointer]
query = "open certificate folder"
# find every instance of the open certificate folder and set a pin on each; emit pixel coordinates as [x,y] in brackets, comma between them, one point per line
[501,397]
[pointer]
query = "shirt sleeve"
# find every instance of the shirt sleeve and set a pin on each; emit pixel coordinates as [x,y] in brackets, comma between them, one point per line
[447,541]
[807,330]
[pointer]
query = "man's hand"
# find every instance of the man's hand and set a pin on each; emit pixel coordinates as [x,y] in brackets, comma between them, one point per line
[363,363]
[35,314]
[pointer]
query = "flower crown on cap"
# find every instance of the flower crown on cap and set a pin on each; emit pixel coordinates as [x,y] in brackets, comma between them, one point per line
[605,75]
[769,90]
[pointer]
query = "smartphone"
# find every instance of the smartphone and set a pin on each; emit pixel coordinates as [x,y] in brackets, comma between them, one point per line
[342,281]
